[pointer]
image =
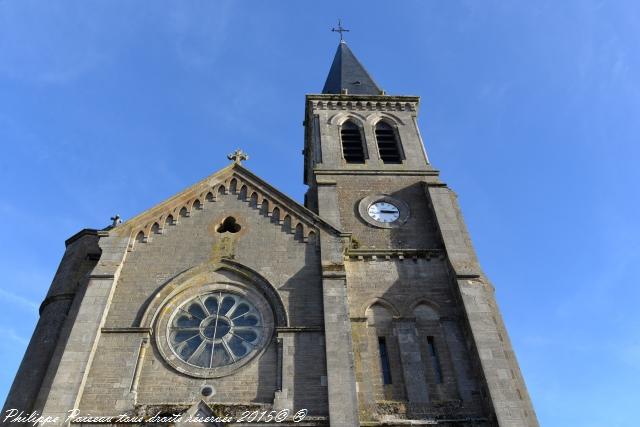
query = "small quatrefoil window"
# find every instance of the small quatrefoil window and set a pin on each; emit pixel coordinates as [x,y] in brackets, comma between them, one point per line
[229,225]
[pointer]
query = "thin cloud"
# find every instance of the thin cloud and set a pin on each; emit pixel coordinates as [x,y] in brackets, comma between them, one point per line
[11,335]
[18,299]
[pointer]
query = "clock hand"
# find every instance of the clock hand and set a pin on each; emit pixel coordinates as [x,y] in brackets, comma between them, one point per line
[387,211]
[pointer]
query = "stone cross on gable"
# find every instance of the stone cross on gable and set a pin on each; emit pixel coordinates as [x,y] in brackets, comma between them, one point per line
[116,220]
[238,156]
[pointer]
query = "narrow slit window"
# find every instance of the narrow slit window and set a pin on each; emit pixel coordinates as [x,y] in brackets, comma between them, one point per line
[387,143]
[384,361]
[352,147]
[435,360]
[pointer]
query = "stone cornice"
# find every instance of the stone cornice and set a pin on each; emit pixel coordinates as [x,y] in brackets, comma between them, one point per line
[127,330]
[362,103]
[54,298]
[231,179]
[82,233]
[295,329]
[352,97]
[382,172]
[387,254]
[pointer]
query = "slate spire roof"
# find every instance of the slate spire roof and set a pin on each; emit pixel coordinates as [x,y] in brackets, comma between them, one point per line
[348,73]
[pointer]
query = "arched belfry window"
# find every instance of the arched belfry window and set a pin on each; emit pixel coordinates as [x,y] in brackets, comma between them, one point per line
[352,144]
[388,145]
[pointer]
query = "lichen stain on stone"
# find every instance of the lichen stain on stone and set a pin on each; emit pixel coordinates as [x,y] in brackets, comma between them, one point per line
[224,248]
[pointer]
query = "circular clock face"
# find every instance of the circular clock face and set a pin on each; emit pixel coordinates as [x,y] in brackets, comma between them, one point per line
[384,212]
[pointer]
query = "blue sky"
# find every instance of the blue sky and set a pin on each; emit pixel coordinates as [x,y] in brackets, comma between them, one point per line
[529,109]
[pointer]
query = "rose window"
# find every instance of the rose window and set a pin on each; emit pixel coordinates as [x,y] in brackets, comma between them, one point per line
[215,329]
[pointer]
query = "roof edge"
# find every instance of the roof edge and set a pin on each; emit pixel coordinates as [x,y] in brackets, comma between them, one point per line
[311,217]
[82,233]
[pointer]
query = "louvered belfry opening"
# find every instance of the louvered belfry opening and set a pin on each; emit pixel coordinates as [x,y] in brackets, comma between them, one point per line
[352,147]
[387,143]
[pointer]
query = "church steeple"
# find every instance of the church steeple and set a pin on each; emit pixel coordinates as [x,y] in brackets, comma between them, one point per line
[348,76]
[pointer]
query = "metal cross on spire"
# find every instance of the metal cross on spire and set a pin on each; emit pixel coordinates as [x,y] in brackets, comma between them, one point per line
[238,156]
[340,29]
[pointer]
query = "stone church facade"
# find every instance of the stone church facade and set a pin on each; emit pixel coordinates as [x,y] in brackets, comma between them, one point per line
[364,306]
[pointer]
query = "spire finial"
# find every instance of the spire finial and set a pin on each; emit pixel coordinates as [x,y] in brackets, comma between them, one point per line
[340,29]
[238,156]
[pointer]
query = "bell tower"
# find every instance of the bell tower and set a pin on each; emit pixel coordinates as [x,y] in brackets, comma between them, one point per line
[428,338]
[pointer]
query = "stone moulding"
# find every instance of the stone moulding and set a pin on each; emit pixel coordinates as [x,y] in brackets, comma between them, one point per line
[385,254]
[129,330]
[363,102]
[54,298]
[234,179]
[196,276]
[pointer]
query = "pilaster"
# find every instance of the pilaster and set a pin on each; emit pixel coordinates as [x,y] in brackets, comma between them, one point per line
[70,377]
[412,364]
[341,377]
[283,398]
[507,392]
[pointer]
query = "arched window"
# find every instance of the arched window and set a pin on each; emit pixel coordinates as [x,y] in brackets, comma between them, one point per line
[388,146]
[385,363]
[352,146]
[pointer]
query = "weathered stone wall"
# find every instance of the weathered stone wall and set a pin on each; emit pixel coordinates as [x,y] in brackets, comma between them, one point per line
[287,263]
[415,284]
[504,389]
[385,297]
[418,232]
[290,266]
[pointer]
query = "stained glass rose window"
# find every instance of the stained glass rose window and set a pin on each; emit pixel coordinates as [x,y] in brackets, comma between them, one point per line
[215,329]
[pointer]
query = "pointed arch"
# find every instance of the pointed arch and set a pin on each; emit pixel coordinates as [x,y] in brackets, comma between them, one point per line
[378,314]
[264,208]
[233,186]
[196,204]
[393,119]
[193,277]
[388,143]
[299,232]
[253,202]
[424,308]
[286,223]
[339,118]
[275,216]
[382,302]
[242,195]
[209,197]
[155,228]
[140,238]
[311,237]
[353,148]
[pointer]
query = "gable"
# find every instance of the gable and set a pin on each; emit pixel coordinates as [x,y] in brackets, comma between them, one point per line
[280,247]
[233,179]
